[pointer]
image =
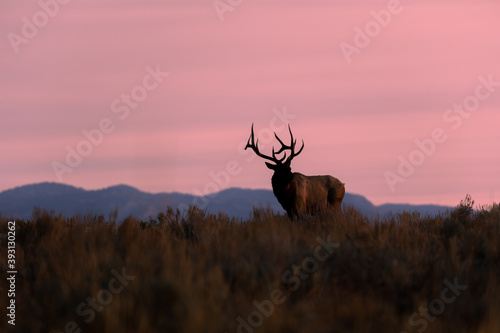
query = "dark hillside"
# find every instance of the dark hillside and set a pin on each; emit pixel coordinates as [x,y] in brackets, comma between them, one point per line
[235,202]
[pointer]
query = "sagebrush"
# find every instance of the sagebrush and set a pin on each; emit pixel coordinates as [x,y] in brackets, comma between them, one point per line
[197,272]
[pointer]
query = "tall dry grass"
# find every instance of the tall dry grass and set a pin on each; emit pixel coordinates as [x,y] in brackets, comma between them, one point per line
[202,273]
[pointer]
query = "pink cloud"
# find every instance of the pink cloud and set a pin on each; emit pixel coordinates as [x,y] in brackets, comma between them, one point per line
[356,119]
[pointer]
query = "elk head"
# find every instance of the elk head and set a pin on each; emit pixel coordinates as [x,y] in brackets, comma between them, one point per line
[282,171]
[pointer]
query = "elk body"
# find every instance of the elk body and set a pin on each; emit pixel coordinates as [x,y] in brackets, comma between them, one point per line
[299,194]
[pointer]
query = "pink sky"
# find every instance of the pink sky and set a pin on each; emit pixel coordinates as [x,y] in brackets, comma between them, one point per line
[263,59]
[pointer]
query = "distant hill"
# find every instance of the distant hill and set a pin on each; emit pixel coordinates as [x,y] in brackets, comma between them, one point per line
[235,202]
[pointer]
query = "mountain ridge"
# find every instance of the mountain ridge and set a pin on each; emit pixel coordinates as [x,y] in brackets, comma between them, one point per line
[236,202]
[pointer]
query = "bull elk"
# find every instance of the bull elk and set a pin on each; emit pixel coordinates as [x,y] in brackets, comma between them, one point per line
[298,194]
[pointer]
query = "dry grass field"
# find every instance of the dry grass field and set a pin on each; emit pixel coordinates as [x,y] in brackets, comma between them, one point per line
[197,272]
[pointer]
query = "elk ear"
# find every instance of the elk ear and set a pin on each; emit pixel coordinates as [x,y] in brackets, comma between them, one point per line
[271,166]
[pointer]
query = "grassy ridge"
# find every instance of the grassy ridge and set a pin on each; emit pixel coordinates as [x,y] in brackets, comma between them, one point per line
[205,273]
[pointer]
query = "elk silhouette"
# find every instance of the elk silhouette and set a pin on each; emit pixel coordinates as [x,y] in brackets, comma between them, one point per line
[299,194]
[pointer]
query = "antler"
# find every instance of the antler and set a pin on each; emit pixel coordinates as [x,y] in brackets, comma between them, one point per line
[252,143]
[291,146]
[255,147]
